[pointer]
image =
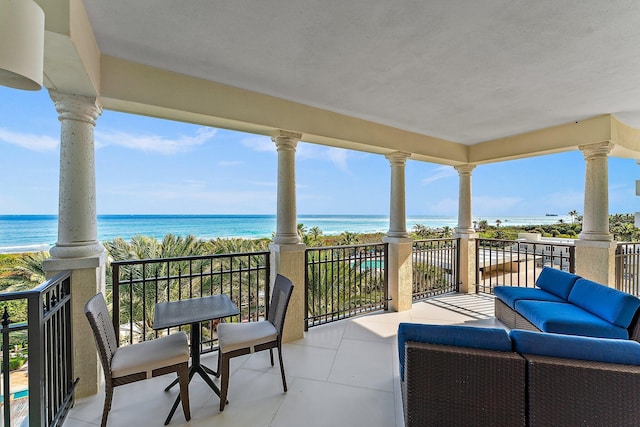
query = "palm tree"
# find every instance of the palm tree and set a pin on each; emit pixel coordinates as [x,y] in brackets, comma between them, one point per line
[349,238]
[573,214]
[498,222]
[302,230]
[28,273]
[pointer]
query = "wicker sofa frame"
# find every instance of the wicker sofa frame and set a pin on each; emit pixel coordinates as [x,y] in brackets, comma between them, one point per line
[456,386]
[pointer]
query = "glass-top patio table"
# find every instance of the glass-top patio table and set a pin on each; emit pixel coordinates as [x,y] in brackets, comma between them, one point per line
[192,312]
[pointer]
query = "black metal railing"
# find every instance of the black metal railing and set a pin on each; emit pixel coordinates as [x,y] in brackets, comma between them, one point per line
[628,268]
[518,263]
[345,281]
[49,393]
[436,267]
[138,285]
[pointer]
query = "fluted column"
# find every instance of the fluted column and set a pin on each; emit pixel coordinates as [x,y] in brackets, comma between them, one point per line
[286,222]
[464,199]
[287,253]
[595,221]
[397,214]
[77,223]
[595,249]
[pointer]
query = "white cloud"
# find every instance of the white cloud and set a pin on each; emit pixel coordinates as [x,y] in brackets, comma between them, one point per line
[440,172]
[29,141]
[443,207]
[337,156]
[155,143]
[259,143]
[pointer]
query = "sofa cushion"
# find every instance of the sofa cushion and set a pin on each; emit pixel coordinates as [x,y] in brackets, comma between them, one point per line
[566,318]
[460,336]
[626,352]
[510,294]
[556,281]
[612,305]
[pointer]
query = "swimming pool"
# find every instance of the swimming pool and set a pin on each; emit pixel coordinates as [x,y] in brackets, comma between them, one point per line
[16,394]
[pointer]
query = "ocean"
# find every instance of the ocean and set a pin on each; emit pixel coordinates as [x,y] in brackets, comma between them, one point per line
[30,233]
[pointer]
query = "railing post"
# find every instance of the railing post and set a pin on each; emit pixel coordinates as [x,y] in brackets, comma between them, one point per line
[306,290]
[5,368]
[35,308]
[115,302]
[386,277]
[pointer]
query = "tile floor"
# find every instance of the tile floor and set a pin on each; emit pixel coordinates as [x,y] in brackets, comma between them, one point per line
[344,373]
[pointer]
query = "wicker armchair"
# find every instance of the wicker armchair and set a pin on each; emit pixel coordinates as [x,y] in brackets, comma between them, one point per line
[124,365]
[238,339]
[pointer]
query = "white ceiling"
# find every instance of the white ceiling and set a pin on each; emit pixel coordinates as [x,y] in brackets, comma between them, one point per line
[466,71]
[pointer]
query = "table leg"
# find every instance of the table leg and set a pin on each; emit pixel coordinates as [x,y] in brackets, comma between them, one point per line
[196,366]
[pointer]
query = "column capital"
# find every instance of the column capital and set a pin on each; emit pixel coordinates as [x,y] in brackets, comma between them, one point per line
[597,150]
[286,140]
[398,157]
[465,169]
[76,107]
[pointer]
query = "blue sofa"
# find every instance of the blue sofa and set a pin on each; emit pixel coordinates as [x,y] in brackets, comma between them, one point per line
[470,376]
[565,303]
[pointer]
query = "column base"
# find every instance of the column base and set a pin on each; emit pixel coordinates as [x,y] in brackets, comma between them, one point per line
[595,260]
[467,267]
[289,260]
[398,234]
[76,250]
[87,279]
[400,272]
[595,236]
[286,239]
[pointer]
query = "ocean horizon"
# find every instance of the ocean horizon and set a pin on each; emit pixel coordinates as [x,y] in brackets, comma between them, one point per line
[33,233]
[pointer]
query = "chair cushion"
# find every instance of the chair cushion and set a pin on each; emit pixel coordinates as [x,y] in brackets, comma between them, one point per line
[234,336]
[612,305]
[510,294]
[574,347]
[556,281]
[566,318]
[455,335]
[149,355]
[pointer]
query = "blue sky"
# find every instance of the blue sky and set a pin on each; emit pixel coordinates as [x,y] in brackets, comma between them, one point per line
[147,165]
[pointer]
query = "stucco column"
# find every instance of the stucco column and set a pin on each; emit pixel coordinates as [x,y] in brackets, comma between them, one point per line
[78,248]
[286,226]
[465,232]
[595,249]
[287,253]
[400,268]
[397,214]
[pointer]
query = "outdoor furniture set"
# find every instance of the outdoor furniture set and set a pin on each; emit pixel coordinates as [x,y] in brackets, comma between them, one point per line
[170,353]
[577,364]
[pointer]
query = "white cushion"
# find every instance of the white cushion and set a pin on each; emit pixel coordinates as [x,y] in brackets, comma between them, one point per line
[234,336]
[149,355]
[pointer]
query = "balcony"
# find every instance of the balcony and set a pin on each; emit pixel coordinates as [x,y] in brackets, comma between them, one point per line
[341,373]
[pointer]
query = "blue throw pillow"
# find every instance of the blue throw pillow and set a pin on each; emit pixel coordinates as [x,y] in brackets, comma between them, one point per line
[460,336]
[612,305]
[626,352]
[556,281]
